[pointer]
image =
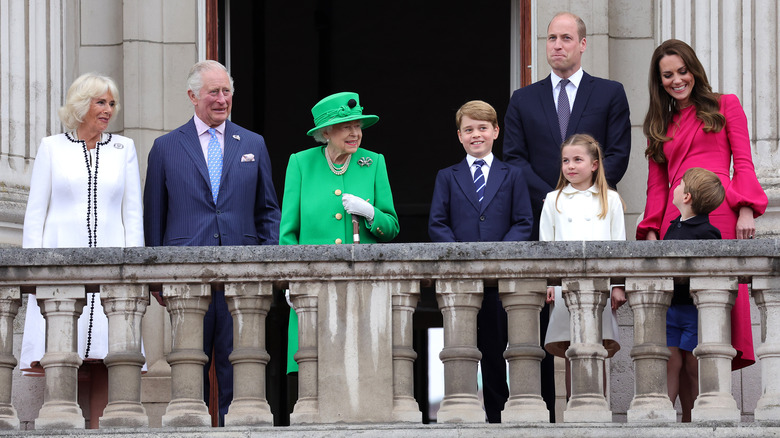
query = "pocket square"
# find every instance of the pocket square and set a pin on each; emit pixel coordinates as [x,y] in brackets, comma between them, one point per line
[247,158]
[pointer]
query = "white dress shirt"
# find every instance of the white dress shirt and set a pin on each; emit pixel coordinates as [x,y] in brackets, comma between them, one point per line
[571,87]
[485,169]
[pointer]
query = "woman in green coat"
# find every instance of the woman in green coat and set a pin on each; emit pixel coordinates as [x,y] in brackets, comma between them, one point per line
[327,188]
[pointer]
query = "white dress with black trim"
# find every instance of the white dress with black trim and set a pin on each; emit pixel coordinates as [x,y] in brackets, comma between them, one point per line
[80,198]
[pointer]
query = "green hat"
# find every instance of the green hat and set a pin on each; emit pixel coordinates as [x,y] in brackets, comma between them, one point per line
[339,108]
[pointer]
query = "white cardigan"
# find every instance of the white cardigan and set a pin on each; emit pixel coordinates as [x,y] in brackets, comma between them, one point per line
[56,217]
[57,207]
[576,216]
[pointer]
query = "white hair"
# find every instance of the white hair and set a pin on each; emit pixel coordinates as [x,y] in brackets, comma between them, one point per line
[195,80]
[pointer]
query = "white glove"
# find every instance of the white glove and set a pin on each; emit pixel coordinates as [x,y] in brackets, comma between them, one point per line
[287,297]
[356,206]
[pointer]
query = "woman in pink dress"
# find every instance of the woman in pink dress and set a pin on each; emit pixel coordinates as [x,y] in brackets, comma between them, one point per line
[688,125]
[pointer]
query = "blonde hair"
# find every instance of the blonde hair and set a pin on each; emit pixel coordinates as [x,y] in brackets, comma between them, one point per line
[477,110]
[599,178]
[80,94]
[705,188]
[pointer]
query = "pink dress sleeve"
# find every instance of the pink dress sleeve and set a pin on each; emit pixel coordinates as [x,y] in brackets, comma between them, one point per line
[744,190]
[657,197]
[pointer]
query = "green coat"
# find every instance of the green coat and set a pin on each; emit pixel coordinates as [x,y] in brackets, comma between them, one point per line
[312,212]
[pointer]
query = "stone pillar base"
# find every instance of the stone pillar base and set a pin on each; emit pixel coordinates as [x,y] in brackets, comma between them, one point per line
[406,409]
[124,414]
[183,414]
[461,408]
[249,411]
[587,416]
[60,416]
[647,410]
[527,409]
[719,407]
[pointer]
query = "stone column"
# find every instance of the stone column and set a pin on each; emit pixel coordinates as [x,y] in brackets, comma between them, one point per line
[405,296]
[649,299]
[766,291]
[187,303]
[249,304]
[460,301]
[714,297]
[304,296]
[61,306]
[124,306]
[586,299]
[523,300]
[10,298]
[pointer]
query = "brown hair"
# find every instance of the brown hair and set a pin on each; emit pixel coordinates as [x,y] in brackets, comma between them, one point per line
[477,110]
[599,177]
[663,106]
[705,188]
[580,24]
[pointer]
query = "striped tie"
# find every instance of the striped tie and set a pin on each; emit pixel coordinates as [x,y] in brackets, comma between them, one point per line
[215,163]
[479,180]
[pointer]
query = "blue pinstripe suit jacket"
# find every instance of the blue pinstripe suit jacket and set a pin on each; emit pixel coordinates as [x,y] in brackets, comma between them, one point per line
[178,206]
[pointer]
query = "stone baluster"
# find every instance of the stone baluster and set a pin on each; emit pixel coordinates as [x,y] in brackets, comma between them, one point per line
[649,299]
[766,291]
[249,304]
[586,298]
[304,296]
[187,304]
[459,302]
[523,300]
[124,306]
[714,297]
[405,295]
[61,306]
[10,297]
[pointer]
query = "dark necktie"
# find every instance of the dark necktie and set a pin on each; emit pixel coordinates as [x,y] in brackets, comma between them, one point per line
[479,180]
[563,109]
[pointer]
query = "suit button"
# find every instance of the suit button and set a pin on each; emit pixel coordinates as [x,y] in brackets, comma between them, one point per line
[482,218]
[216,235]
[219,212]
[337,192]
[338,241]
[338,216]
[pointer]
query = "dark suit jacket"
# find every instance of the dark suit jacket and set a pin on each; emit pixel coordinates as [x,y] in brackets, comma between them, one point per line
[697,227]
[456,214]
[178,206]
[532,137]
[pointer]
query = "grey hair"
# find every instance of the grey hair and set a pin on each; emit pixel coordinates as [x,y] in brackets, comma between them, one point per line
[79,98]
[318,134]
[195,80]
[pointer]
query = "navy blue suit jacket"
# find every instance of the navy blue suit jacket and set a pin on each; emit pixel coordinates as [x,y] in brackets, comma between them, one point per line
[532,138]
[178,207]
[457,216]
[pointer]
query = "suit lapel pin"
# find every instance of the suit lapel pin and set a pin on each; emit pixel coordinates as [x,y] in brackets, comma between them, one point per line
[237,137]
[365,161]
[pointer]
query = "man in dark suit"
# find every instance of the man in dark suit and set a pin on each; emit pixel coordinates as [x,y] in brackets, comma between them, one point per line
[208,183]
[542,115]
[482,199]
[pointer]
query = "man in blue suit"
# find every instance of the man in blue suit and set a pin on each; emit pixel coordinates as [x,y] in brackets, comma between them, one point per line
[482,199]
[542,115]
[208,183]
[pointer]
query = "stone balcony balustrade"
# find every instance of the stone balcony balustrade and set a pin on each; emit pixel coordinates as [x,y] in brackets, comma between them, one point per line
[355,305]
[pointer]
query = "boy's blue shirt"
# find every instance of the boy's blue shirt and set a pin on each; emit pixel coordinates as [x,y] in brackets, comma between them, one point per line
[457,216]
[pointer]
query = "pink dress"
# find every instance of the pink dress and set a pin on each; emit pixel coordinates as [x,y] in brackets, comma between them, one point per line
[692,147]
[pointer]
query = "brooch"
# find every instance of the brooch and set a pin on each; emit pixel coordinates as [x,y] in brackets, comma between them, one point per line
[237,137]
[118,145]
[365,161]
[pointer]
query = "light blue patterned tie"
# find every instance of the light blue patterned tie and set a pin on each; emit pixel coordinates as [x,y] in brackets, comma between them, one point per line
[479,179]
[215,163]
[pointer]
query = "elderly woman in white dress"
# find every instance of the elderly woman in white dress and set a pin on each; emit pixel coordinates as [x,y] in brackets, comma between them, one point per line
[85,192]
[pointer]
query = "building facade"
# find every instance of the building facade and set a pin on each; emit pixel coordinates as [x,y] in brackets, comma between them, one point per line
[148,46]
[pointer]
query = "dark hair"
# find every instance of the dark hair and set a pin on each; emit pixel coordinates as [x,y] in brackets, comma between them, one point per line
[705,188]
[663,106]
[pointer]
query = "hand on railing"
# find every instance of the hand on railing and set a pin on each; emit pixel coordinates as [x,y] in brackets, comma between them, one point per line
[618,297]
[159,297]
[550,294]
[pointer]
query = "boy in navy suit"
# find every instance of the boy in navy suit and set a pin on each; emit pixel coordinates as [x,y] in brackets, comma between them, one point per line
[477,200]
[700,192]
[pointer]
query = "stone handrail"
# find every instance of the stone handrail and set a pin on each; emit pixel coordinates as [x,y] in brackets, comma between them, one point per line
[355,306]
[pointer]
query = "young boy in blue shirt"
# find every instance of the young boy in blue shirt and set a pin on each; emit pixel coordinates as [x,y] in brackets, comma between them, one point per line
[482,199]
[700,192]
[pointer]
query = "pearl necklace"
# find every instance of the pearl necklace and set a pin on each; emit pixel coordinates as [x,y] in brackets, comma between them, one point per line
[333,167]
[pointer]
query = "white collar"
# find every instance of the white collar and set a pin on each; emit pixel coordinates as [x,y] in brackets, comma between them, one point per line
[575,79]
[571,191]
[488,159]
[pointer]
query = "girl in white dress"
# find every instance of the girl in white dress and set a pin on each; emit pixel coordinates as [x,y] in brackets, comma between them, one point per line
[582,207]
[85,192]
